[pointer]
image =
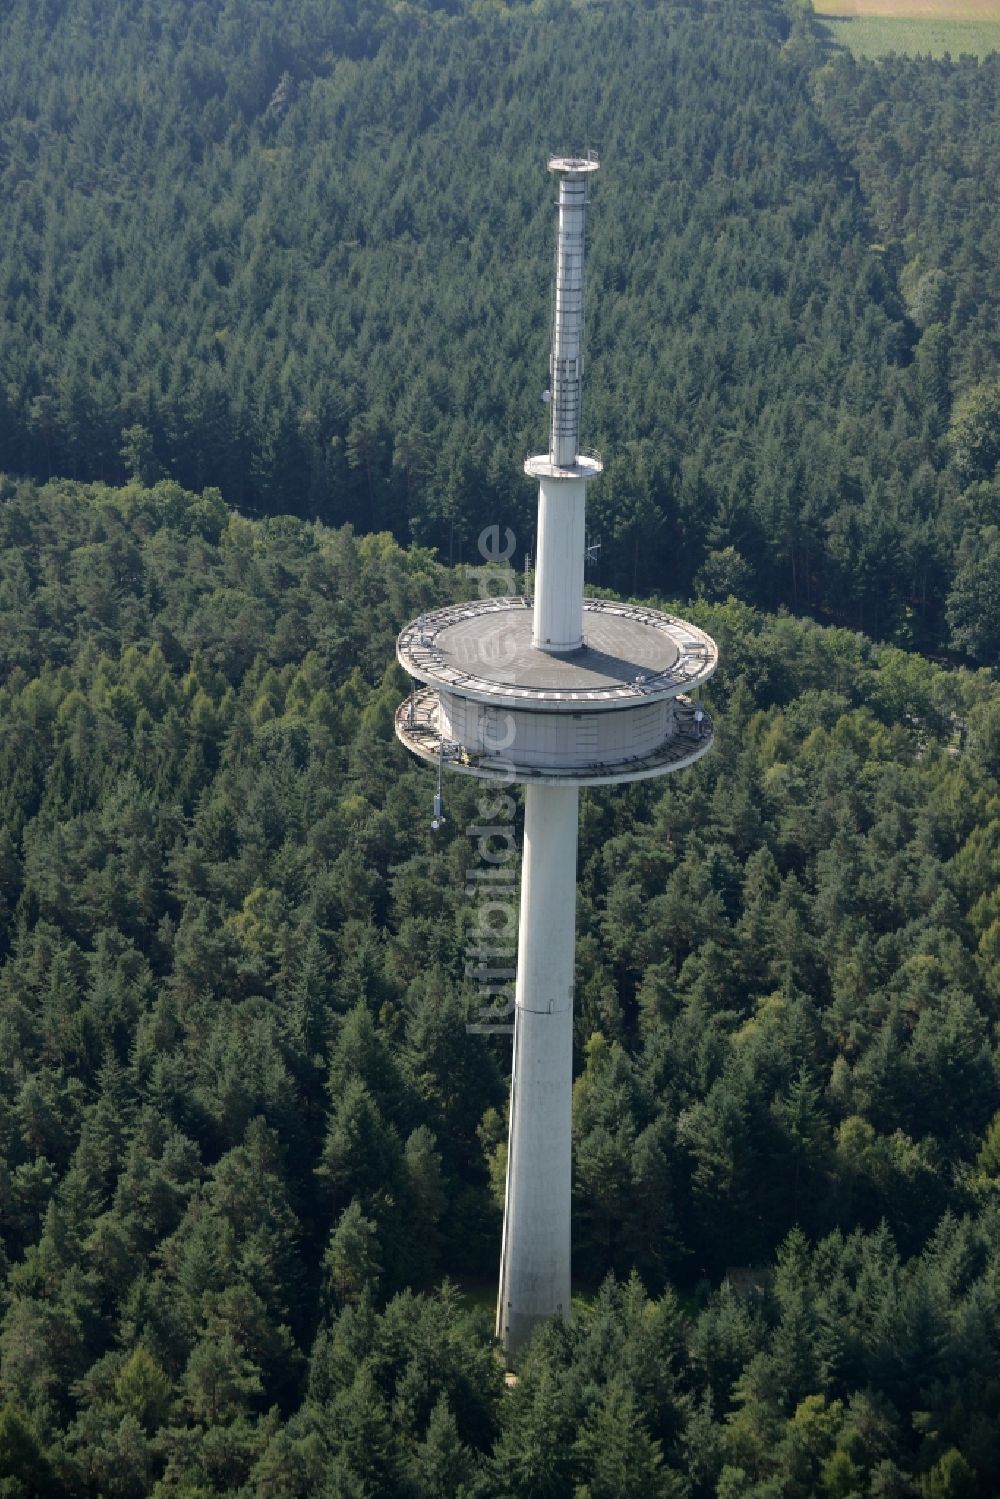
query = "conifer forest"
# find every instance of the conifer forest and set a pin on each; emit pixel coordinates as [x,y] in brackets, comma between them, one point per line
[275,282]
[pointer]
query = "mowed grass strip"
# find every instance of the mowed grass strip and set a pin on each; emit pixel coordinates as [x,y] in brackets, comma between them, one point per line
[876,36]
[911,10]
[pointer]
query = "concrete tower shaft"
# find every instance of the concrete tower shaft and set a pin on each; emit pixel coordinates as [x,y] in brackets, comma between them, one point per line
[560,550]
[535,1255]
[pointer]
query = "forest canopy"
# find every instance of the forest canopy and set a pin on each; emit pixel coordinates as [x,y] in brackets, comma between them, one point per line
[300,252]
[273,313]
[243,1131]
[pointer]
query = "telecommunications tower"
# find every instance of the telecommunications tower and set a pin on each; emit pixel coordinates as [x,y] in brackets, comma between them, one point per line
[554,692]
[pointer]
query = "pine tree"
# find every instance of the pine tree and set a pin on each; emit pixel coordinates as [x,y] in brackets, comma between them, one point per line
[220,1380]
[144,1389]
[616,1456]
[352,1261]
[442,1466]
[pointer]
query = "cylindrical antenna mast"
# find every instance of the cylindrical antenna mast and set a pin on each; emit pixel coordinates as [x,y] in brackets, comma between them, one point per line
[567,323]
[563,472]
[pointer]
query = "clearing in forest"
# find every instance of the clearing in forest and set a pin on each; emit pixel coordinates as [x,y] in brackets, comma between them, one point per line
[871,28]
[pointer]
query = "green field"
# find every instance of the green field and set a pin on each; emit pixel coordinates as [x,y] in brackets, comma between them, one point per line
[875,36]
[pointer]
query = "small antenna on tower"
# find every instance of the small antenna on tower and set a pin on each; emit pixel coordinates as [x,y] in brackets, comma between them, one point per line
[439,817]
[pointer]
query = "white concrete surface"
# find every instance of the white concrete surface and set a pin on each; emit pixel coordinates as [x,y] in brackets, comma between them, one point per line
[535,1265]
[560,548]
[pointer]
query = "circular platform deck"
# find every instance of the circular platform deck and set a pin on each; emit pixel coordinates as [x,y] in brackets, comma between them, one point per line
[483,651]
